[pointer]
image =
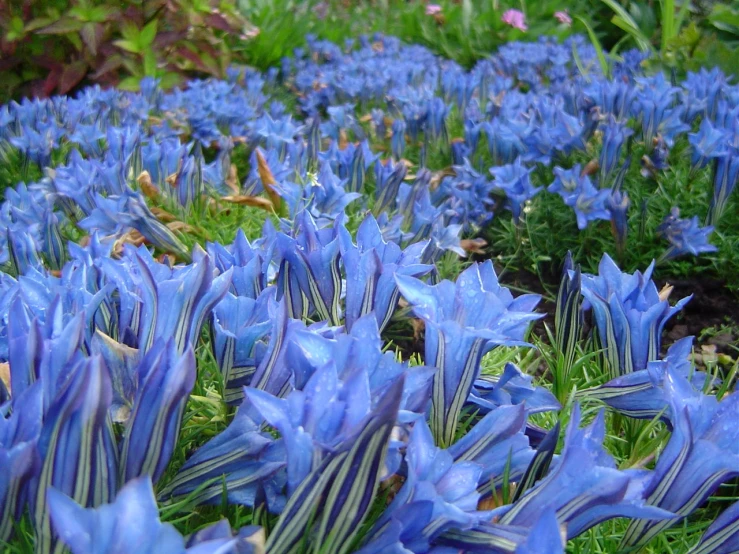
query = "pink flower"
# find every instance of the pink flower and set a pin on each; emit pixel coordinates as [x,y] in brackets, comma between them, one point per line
[515,18]
[433,9]
[563,17]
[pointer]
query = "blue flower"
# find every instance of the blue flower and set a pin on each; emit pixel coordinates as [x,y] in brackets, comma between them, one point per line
[614,136]
[702,453]
[641,394]
[630,315]
[371,267]
[397,142]
[309,277]
[515,181]
[684,235]
[585,488]
[131,524]
[709,142]
[463,322]
[19,433]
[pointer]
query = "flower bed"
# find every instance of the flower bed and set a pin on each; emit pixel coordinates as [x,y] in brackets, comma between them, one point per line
[203,290]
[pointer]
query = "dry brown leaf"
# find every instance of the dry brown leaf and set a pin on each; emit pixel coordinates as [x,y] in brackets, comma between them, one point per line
[5,374]
[473,246]
[665,293]
[590,168]
[171,180]
[418,328]
[131,237]
[232,180]
[181,226]
[343,141]
[254,201]
[268,180]
[147,187]
[163,215]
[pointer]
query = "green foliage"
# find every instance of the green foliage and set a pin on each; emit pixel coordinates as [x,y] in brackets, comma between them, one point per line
[55,45]
[678,35]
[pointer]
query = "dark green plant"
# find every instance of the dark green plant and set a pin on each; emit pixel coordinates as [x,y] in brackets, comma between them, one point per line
[52,46]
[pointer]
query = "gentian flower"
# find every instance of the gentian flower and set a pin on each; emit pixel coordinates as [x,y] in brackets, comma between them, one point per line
[371,266]
[351,472]
[614,135]
[515,181]
[585,488]
[630,315]
[129,524]
[708,143]
[76,446]
[237,324]
[684,235]
[725,178]
[388,178]
[460,330]
[618,206]
[19,433]
[641,394]
[164,382]
[434,479]
[397,142]
[177,302]
[702,453]
[309,277]
[722,536]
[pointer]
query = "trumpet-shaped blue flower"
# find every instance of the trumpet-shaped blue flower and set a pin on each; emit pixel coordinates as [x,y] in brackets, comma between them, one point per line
[585,488]
[19,433]
[309,278]
[640,394]
[722,536]
[238,323]
[438,494]
[684,235]
[618,206]
[702,453]
[515,181]
[164,381]
[630,315]
[511,387]
[463,322]
[75,446]
[708,143]
[131,524]
[388,178]
[397,142]
[614,136]
[371,266]
[177,302]
[725,178]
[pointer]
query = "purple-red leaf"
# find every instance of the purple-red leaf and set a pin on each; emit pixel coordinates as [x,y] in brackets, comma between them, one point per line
[71,76]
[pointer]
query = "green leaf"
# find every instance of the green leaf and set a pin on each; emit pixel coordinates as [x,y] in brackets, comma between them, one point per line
[127,45]
[625,22]
[148,34]
[63,26]
[597,45]
[130,83]
[150,63]
[89,37]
